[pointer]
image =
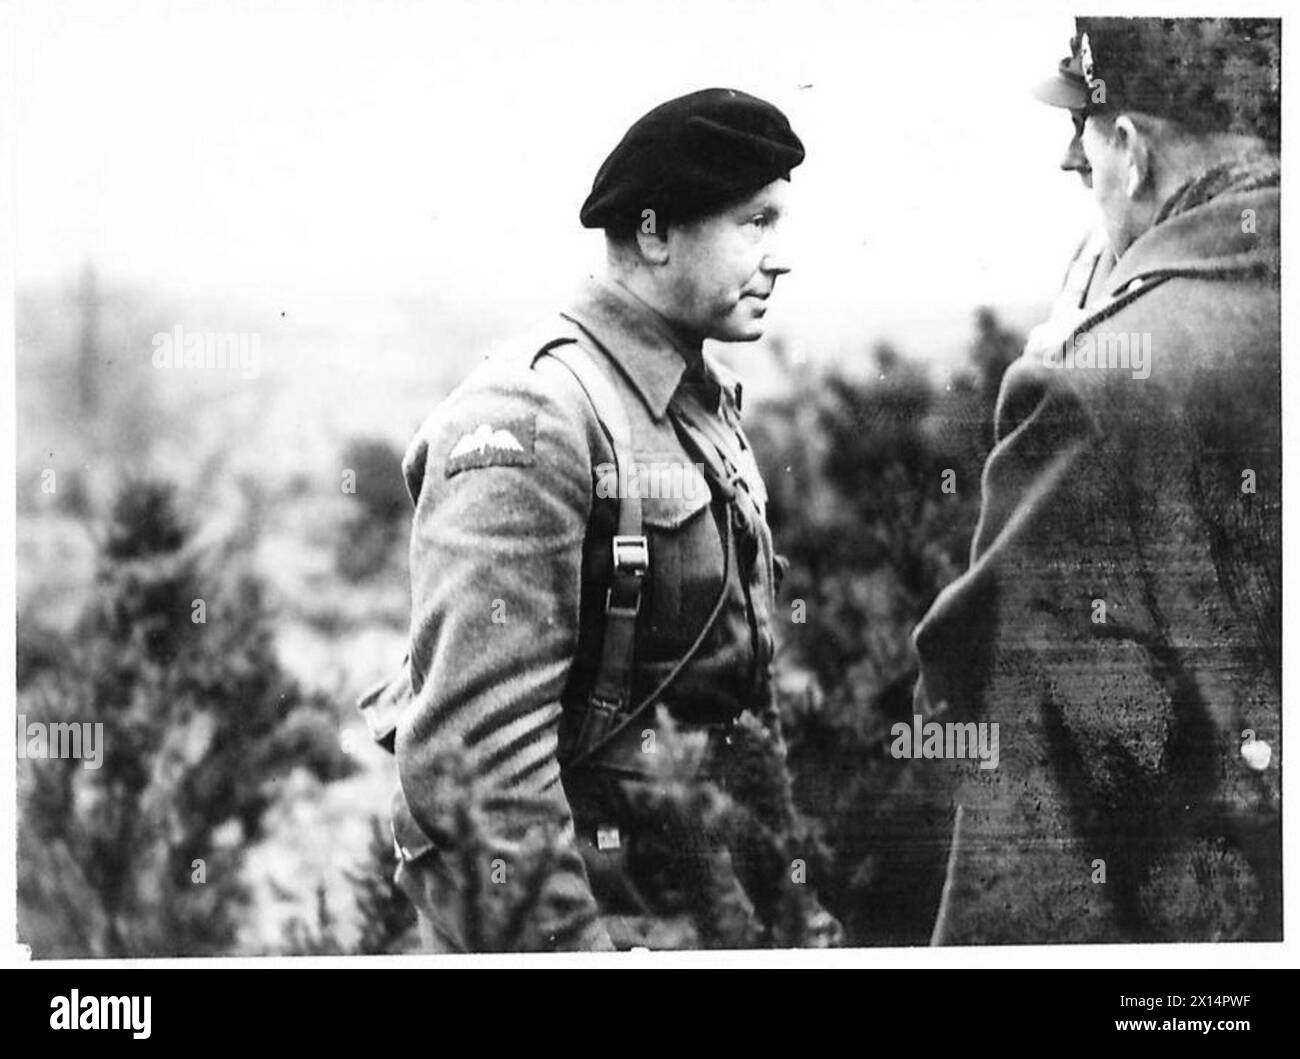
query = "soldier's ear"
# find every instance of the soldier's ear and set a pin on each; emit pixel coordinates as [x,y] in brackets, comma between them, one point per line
[1137,155]
[652,244]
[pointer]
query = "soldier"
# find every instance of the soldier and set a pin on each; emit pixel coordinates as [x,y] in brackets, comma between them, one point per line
[1120,620]
[563,593]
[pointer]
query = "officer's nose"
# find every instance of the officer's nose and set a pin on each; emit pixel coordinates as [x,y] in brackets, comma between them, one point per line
[1074,159]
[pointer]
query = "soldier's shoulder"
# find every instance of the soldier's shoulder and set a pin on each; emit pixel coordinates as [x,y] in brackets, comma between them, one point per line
[511,371]
[512,394]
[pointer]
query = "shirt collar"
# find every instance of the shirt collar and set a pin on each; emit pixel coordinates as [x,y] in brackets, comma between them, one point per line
[645,348]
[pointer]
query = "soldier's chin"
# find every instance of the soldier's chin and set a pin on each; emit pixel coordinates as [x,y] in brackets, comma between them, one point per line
[741,331]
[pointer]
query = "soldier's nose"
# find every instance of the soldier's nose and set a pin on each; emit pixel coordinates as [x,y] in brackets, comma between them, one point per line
[774,263]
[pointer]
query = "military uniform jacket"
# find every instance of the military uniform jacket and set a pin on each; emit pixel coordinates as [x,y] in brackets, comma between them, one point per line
[511,562]
[1121,616]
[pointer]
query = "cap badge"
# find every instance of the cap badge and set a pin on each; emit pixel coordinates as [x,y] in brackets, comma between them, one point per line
[1085,57]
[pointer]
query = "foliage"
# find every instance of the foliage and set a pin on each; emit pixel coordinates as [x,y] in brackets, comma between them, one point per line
[387,918]
[732,839]
[380,512]
[141,856]
[720,855]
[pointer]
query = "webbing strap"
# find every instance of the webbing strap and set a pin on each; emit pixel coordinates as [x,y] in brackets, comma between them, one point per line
[603,720]
[611,690]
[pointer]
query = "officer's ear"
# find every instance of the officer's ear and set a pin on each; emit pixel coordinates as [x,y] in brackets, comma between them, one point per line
[1135,144]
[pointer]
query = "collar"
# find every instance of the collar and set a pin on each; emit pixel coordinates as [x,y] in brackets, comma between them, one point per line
[1205,240]
[647,351]
[727,381]
[1205,231]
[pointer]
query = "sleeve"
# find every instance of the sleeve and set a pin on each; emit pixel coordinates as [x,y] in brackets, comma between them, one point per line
[1041,431]
[501,481]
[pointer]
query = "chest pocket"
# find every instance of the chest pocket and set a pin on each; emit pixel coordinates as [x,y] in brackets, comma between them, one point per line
[686,569]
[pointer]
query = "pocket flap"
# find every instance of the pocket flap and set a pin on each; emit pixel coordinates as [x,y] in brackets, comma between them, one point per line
[671,491]
[670,513]
[382,706]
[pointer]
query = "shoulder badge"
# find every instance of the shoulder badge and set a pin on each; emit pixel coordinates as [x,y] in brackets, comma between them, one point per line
[505,444]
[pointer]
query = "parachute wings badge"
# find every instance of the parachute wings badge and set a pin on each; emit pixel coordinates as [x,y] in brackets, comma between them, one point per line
[488,445]
[483,439]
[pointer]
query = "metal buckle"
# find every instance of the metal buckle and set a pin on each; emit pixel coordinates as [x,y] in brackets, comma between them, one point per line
[631,555]
[603,704]
[631,559]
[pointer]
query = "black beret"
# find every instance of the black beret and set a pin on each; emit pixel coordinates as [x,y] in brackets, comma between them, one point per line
[1208,74]
[691,156]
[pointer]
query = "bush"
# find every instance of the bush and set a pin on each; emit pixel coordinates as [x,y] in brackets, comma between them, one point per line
[142,855]
[380,515]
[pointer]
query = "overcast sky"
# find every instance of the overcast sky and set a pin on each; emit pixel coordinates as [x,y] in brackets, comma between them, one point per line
[393,146]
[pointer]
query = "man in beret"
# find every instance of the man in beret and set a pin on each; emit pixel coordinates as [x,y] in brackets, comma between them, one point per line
[573,634]
[1120,620]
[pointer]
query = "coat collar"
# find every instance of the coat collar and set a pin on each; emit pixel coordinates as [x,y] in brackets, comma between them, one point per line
[1210,239]
[1206,241]
[648,352]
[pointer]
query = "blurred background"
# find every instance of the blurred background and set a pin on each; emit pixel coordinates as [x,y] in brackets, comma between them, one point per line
[370,195]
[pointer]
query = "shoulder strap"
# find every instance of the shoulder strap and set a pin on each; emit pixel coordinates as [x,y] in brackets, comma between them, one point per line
[611,690]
